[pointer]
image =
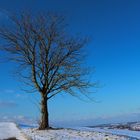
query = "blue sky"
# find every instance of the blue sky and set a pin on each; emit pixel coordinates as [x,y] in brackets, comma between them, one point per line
[114,50]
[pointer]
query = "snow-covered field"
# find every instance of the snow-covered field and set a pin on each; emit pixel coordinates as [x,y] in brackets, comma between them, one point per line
[135,126]
[132,135]
[10,130]
[69,134]
[125,132]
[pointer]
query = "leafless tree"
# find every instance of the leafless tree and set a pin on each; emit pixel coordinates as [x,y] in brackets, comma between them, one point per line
[50,60]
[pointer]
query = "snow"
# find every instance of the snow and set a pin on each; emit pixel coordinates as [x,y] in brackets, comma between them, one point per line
[125,132]
[9,130]
[135,126]
[69,134]
[121,132]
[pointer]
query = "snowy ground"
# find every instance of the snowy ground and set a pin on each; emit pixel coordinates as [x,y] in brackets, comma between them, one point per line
[69,134]
[124,132]
[9,130]
[132,135]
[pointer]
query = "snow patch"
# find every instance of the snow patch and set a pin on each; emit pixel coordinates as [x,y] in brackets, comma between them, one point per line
[69,134]
[9,130]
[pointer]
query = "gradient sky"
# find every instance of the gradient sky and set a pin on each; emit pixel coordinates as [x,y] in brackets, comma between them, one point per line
[114,26]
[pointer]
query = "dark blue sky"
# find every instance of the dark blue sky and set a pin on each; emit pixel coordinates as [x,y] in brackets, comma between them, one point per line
[114,27]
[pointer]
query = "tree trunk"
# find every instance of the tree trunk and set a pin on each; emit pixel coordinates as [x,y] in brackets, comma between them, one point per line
[44,123]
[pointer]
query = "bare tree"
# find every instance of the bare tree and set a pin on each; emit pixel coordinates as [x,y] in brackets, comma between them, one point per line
[50,59]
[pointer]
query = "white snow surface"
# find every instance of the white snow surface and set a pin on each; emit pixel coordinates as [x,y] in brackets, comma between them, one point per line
[121,132]
[124,132]
[70,134]
[9,130]
[135,126]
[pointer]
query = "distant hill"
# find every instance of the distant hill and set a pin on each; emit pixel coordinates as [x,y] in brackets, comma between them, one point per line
[135,126]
